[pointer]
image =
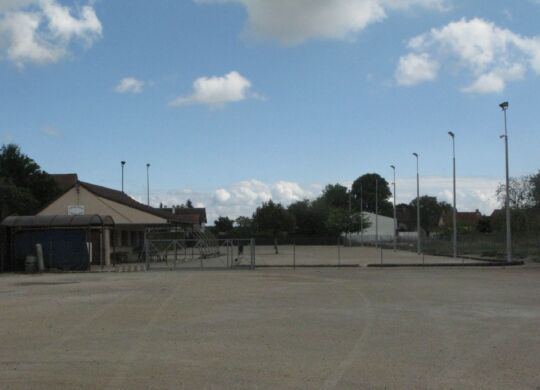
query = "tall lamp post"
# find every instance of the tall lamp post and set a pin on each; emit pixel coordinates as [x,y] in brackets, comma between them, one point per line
[395,218]
[361,216]
[504,107]
[454,211]
[376,212]
[148,184]
[122,163]
[418,232]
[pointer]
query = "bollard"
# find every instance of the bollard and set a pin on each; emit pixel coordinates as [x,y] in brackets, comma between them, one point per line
[252,244]
[39,255]
[294,254]
[338,253]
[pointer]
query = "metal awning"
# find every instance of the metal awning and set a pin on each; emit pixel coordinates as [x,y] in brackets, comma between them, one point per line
[58,221]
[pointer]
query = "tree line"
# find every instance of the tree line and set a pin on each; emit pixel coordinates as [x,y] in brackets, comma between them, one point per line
[25,189]
[337,210]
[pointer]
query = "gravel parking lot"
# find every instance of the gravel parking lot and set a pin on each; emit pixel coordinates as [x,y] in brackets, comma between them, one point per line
[273,328]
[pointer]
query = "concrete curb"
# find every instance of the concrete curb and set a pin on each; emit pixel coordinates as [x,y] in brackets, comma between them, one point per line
[420,265]
[309,266]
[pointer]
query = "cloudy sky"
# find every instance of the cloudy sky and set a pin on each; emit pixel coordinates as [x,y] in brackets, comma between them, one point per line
[234,102]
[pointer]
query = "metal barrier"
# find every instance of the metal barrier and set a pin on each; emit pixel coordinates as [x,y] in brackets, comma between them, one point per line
[161,253]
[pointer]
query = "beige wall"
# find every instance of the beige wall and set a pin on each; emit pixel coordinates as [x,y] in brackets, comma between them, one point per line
[96,205]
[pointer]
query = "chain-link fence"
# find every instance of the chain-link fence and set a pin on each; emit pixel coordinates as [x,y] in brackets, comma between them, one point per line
[490,247]
[163,252]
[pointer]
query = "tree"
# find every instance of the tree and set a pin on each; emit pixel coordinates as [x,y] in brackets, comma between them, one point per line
[15,200]
[404,215]
[310,219]
[364,188]
[223,225]
[484,225]
[25,188]
[522,192]
[189,204]
[340,221]
[273,218]
[244,226]
[535,187]
[430,212]
[336,195]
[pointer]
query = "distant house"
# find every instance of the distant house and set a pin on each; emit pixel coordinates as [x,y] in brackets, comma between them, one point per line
[197,215]
[468,219]
[131,218]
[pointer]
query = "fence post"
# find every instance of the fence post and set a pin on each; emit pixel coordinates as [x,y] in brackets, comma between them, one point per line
[226,255]
[338,252]
[252,244]
[175,252]
[147,250]
[229,253]
[201,255]
[294,254]
[101,249]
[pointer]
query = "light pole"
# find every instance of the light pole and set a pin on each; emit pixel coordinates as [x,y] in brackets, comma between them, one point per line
[418,232]
[148,184]
[122,163]
[361,216]
[395,218]
[376,212]
[349,233]
[504,107]
[454,211]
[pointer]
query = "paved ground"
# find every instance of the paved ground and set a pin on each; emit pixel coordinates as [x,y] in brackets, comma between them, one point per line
[334,255]
[461,328]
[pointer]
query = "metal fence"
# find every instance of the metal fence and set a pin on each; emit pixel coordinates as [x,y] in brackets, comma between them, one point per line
[178,253]
[485,246]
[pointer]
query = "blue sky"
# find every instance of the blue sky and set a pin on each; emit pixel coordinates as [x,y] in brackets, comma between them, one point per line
[234,102]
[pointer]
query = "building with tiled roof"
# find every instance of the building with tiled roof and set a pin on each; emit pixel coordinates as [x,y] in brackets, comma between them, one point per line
[131,218]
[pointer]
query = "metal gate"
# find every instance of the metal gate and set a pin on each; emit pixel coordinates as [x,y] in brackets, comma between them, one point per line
[180,253]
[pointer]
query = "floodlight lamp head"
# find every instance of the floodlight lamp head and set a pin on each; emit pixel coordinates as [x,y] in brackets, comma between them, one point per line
[502,136]
[415,155]
[123,163]
[504,106]
[393,167]
[147,165]
[451,134]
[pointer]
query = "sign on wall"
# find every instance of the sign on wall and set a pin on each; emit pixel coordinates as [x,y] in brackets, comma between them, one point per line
[76,210]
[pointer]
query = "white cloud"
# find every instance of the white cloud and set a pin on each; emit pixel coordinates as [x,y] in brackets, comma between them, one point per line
[222,195]
[51,132]
[416,68]
[472,192]
[239,199]
[491,55]
[129,85]
[496,80]
[216,91]
[242,198]
[293,22]
[42,31]
[64,26]
[10,5]
[290,191]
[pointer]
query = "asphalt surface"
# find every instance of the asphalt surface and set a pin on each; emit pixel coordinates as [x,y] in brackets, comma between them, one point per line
[356,328]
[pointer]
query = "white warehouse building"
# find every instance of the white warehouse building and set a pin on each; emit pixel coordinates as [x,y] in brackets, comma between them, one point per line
[380,226]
